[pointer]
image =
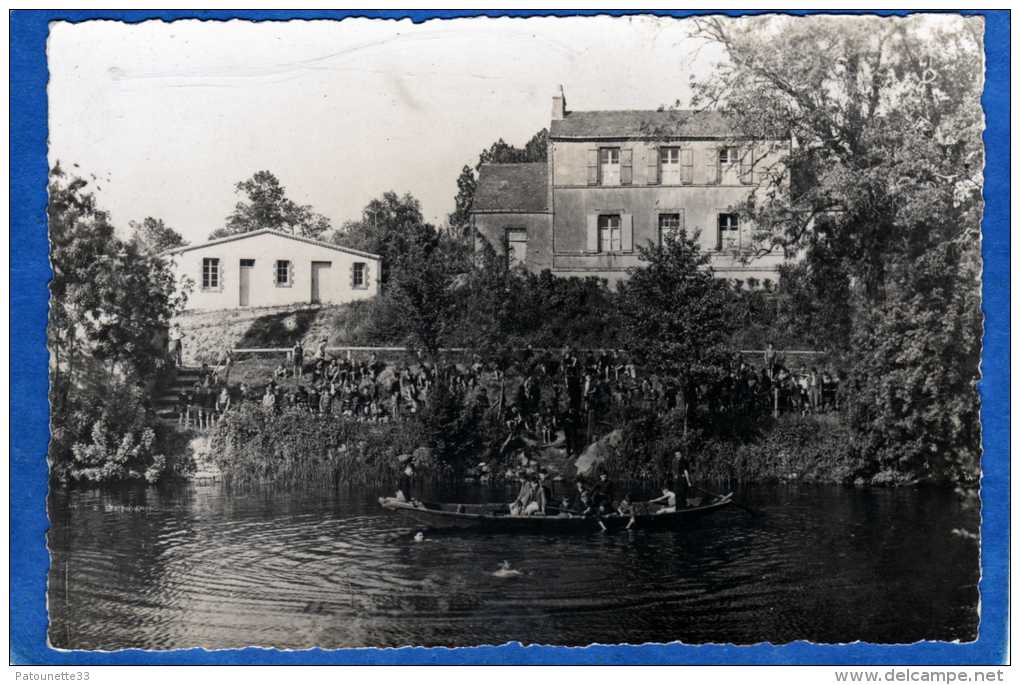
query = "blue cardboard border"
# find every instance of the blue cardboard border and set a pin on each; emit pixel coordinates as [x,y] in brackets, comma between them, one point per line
[29,274]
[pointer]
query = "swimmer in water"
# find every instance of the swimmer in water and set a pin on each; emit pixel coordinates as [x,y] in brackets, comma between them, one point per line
[419,536]
[504,571]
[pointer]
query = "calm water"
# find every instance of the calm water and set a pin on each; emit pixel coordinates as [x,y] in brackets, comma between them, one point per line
[199,565]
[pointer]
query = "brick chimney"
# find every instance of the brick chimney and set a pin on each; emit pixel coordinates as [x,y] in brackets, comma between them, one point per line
[559,108]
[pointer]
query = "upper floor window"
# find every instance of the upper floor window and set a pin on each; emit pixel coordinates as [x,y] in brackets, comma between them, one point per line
[609,166]
[727,156]
[610,236]
[669,225]
[282,272]
[210,272]
[729,231]
[676,165]
[358,275]
[516,246]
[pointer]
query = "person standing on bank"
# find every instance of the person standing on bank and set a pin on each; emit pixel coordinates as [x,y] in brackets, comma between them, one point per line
[770,360]
[177,346]
[298,354]
[226,365]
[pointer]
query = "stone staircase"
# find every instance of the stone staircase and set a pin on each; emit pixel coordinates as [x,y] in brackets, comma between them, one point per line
[164,403]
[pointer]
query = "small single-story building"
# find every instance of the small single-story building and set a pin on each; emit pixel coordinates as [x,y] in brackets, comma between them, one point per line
[268,268]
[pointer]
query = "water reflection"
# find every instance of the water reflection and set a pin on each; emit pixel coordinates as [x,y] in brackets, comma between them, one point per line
[199,565]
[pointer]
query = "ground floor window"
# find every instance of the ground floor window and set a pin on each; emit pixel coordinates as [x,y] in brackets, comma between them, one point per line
[358,275]
[609,233]
[516,246]
[282,272]
[669,225]
[729,231]
[210,272]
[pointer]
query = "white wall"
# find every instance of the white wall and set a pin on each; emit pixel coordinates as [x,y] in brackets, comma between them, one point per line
[266,249]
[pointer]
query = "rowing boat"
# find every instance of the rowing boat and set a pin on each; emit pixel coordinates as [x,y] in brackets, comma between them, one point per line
[495,517]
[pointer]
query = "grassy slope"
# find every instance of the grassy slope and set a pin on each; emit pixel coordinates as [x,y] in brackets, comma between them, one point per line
[207,334]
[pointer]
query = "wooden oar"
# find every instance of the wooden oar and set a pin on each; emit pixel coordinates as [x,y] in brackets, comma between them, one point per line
[749,510]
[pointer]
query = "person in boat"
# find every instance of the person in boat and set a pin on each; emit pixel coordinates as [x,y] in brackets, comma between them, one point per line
[668,499]
[582,498]
[546,496]
[627,508]
[603,495]
[531,500]
[405,486]
[525,497]
[602,499]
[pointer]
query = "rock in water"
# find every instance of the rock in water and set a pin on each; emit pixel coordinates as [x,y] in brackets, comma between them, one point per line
[597,452]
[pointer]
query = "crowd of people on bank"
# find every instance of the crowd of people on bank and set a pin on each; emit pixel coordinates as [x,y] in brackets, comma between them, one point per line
[539,392]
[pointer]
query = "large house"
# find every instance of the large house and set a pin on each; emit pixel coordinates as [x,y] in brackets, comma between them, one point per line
[270,268]
[614,180]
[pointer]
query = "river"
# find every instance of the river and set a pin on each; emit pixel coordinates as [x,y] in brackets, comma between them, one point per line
[202,565]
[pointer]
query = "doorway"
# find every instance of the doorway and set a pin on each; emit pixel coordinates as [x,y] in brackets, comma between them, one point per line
[244,282]
[320,281]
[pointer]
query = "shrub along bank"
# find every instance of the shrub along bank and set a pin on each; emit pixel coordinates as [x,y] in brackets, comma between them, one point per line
[252,445]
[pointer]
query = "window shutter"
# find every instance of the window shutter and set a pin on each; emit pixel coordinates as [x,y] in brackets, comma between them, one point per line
[366,274]
[746,165]
[593,167]
[352,274]
[626,233]
[219,269]
[687,164]
[626,166]
[653,165]
[593,233]
[683,219]
[276,274]
[712,165]
[718,232]
[291,273]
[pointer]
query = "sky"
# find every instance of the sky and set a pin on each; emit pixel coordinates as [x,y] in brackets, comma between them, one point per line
[168,116]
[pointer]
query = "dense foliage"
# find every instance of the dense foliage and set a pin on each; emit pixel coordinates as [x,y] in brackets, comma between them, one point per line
[252,444]
[676,316]
[886,205]
[110,305]
[152,236]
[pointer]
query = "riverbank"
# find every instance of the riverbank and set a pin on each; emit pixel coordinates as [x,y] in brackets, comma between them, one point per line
[295,446]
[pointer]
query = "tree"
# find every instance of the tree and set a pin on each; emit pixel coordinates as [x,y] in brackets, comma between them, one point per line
[915,404]
[109,303]
[268,206]
[500,152]
[422,290]
[885,190]
[676,315]
[390,227]
[152,237]
[81,237]
[467,184]
[887,120]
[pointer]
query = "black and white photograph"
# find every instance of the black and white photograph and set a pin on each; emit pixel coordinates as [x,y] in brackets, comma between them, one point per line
[550,330]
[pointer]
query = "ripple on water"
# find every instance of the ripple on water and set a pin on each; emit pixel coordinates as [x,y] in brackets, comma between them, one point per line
[206,567]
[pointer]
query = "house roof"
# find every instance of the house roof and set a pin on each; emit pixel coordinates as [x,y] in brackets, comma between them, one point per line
[674,123]
[269,231]
[512,188]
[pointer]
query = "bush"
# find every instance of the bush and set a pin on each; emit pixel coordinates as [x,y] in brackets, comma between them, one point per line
[814,449]
[251,444]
